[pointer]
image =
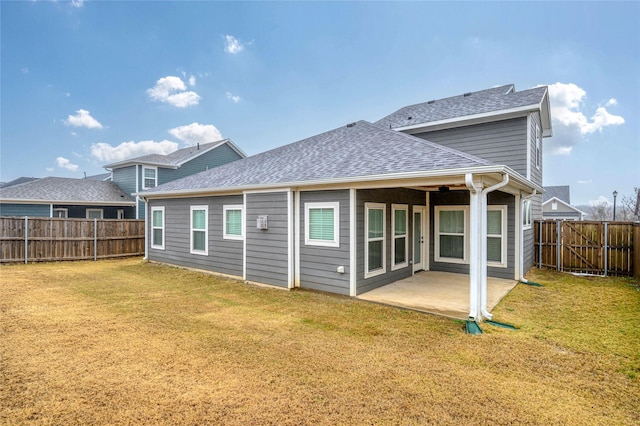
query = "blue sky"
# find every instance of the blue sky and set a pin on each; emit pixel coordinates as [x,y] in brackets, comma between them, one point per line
[87,83]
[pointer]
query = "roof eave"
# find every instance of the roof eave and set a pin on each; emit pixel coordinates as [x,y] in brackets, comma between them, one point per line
[76,202]
[467,120]
[521,181]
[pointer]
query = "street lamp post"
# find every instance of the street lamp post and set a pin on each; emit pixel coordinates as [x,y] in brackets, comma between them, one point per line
[615,194]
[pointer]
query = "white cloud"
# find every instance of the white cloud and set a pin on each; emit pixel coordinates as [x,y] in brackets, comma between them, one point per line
[233,98]
[192,80]
[233,45]
[83,118]
[173,91]
[25,70]
[64,163]
[107,153]
[77,3]
[585,181]
[49,169]
[570,124]
[195,133]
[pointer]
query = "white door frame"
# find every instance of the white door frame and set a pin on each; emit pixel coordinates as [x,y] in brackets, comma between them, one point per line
[419,264]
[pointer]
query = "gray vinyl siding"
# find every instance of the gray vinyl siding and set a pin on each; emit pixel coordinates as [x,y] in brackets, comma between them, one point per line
[31,210]
[318,265]
[502,142]
[141,209]
[388,197]
[125,178]
[527,250]
[454,198]
[214,158]
[225,256]
[267,249]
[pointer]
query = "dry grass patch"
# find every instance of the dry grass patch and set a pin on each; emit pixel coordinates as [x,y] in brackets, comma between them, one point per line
[125,341]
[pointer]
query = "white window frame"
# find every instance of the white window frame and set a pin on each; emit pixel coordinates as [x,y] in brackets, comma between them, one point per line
[383,270]
[225,209]
[538,147]
[394,208]
[503,236]
[65,212]
[144,179]
[120,214]
[204,252]
[335,242]
[526,214]
[465,234]
[153,228]
[93,211]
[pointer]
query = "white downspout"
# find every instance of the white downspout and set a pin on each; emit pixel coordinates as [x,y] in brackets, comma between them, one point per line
[474,244]
[146,228]
[483,245]
[522,278]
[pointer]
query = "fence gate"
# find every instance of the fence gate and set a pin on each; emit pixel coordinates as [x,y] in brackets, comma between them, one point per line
[586,247]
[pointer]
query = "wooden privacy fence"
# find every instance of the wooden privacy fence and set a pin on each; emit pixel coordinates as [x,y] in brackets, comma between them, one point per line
[35,239]
[588,247]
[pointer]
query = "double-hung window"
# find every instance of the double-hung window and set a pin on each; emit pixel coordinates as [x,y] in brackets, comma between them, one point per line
[400,241]
[199,230]
[157,228]
[451,234]
[149,177]
[526,214]
[375,241]
[321,224]
[233,223]
[497,236]
[94,213]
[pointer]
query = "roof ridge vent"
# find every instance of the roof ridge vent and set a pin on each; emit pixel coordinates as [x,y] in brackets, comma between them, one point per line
[351,125]
[431,102]
[467,94]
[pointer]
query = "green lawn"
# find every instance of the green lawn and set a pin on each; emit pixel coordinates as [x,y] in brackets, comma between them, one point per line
[130,342]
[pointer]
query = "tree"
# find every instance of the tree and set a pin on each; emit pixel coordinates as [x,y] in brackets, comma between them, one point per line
[630,206]
[600,211]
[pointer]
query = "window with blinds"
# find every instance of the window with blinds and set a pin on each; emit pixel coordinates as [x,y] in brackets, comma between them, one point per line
[199,230]
[322,226]
[233,222]
[157,227]
[375,214]
[400,240]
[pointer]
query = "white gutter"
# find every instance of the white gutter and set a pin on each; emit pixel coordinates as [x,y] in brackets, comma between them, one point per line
[483,246]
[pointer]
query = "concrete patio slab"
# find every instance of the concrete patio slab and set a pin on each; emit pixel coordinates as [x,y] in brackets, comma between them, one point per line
[441,293]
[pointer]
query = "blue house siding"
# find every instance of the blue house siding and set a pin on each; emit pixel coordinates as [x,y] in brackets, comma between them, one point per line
[318,265]
[455,198]
[125,178]
[389,197]
[32,210]
[267,250]
[214,158]
[502,142]
[108,212]
[224,256]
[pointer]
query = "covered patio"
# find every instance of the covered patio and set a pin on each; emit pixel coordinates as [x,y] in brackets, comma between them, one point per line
[440,293]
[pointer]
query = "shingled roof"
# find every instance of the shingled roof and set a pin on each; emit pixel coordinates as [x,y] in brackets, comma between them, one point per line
[562,193]
[472,104]
[67,191]
[358,150]
[176,158]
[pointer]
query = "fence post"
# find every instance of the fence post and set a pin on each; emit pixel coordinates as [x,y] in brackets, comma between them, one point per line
[539,244]
[95,239]
[606,246]
[26,240]
[558,244]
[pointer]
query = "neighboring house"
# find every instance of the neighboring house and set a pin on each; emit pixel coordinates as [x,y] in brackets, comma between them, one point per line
[66,197]
[141,173]
[111,195]
[556,204]
[364,205]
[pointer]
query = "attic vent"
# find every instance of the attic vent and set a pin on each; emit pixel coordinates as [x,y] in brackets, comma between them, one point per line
[409,117]
[351,125]
[467,94]
[431,102]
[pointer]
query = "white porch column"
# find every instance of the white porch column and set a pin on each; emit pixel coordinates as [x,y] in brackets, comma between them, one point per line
[475,231]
